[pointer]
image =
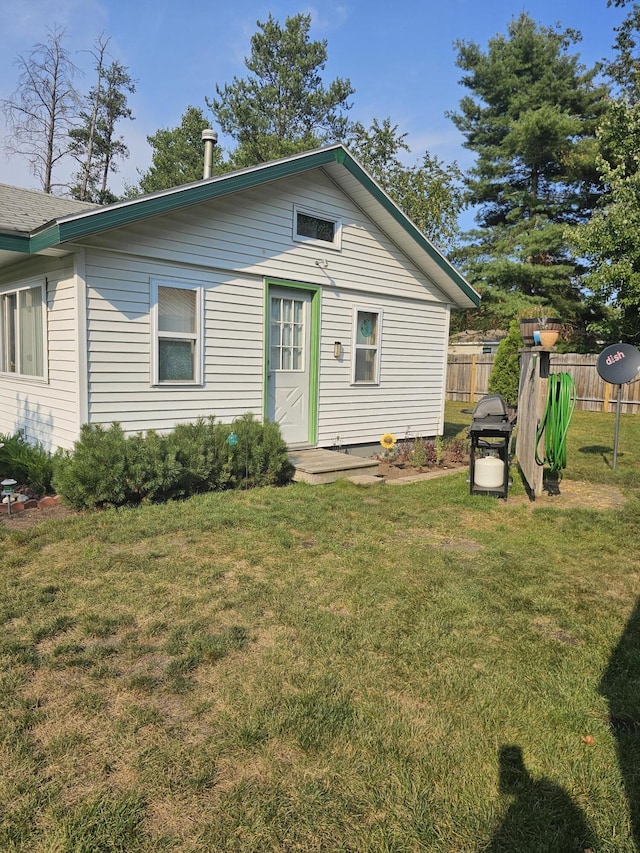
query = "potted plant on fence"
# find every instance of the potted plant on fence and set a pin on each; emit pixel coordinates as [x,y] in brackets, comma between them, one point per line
[548,331]
[531,329]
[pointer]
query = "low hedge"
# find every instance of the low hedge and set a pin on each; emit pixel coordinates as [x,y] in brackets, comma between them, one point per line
[108,468]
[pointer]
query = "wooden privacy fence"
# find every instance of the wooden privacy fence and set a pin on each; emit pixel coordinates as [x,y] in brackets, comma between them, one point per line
[468,381]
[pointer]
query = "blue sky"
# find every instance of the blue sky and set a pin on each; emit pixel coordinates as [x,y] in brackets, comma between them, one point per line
[399,56]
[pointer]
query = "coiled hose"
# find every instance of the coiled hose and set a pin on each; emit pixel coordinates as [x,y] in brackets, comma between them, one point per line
[561,401]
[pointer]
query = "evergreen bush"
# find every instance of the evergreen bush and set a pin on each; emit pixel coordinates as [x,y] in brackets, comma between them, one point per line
[107,468]
[505,375]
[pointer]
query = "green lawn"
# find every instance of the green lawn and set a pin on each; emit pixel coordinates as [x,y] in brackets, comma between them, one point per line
[321,668]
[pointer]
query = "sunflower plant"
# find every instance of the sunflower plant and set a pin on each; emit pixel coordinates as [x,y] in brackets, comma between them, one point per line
[388,444]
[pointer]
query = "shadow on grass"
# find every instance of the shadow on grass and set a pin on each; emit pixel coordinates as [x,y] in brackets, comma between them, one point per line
[620,685]
[598,450]
[542,817]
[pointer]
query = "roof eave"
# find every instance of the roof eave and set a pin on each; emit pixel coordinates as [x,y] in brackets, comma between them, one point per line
[78,225]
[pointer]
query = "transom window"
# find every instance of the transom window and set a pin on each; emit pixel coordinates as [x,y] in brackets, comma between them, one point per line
[312,227]
[177,333]
[22,349]
[366,349]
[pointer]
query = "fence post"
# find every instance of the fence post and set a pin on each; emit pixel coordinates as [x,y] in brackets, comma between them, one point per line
[607,397]
[472,383]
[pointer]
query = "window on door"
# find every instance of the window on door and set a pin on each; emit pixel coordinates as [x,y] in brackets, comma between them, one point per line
[366,348]
[177,312]
[287,334]
[22,345]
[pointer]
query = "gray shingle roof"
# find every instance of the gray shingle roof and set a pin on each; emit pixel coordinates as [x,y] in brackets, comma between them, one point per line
[25,210]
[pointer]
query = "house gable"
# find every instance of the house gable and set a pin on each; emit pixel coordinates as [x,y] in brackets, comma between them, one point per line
[335,160]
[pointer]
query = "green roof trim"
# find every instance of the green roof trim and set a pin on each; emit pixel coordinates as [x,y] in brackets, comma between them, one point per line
[15,243]
[115,216]
[358,172]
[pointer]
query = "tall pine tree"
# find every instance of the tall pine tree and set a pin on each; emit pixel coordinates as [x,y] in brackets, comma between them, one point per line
[283,105]
[531,119]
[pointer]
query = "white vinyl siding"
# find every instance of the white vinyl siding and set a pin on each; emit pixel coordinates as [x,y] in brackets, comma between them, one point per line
[228,248]
[46,409]
[120,345]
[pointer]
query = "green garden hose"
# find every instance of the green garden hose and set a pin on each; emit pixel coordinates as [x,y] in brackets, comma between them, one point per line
[561,401]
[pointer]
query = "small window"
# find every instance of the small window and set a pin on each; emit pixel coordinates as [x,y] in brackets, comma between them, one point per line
[22,350]
[177,334]
[366,349]
[312,227]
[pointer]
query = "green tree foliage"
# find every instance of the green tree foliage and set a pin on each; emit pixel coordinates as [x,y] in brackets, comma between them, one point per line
[505,375]
[178,155]
[610,238]
[94,143]
[429,192]
[623,68]
[531,119]
[282,106]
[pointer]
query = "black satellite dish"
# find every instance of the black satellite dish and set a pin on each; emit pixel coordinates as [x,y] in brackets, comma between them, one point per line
[618,364]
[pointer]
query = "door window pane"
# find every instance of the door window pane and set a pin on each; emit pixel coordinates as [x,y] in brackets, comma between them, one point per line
[287,334]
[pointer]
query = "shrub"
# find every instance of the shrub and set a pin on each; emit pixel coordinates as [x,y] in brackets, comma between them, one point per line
[107,468]
[29,464]
[93,474]
[505,376]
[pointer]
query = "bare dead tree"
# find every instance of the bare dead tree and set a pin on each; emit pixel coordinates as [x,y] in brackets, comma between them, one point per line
[43,108]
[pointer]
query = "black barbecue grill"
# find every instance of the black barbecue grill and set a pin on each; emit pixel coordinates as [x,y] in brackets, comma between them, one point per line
[490,434]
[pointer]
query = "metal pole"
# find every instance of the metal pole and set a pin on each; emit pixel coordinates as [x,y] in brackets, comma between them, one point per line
[617,428]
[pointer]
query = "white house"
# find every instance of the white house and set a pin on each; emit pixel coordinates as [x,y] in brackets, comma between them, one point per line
[296,290]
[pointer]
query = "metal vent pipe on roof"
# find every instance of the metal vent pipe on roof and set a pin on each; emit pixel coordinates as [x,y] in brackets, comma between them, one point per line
[210,139]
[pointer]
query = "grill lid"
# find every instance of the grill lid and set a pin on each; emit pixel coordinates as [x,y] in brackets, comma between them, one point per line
[492,406]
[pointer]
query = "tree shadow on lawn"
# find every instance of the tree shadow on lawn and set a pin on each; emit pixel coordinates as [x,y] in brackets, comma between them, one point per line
[620,685]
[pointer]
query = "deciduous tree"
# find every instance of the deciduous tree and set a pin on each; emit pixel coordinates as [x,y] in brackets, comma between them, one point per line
[429,192]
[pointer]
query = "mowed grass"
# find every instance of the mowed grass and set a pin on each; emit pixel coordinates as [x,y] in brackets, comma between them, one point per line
[329,668]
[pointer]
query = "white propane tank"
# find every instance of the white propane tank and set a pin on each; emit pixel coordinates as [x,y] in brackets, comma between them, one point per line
[488,473]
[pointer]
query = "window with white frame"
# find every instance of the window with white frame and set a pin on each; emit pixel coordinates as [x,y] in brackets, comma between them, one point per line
[177,333]
[313,227]
[367,327]
[22,330]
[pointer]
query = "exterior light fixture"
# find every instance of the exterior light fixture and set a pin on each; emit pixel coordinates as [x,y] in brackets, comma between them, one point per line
[337,349]
[7,492]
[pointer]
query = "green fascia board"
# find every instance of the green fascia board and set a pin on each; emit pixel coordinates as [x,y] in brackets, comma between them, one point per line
[15,243]
[352,166]
[115,216]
